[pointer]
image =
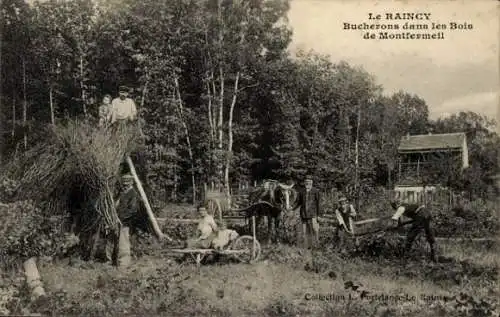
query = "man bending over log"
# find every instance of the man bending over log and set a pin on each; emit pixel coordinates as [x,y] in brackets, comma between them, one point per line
[345,214]
[421,221]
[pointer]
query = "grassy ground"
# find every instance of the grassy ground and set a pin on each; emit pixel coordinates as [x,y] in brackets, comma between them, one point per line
[287,281]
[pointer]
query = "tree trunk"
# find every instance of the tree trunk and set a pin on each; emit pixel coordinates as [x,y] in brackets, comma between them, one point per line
[356,180]
[230,138]
[51,104]
[221,108]
[13,132]
[82,86]
[180,108]
[25,106]
[174,193]
[141,105]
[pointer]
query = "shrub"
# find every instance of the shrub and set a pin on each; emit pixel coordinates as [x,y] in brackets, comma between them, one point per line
[25,231]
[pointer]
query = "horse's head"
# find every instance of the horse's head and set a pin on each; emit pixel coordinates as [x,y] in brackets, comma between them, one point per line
[287,196]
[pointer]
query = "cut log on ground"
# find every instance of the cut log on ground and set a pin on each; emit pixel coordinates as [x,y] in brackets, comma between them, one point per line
[124,257]
[33,278]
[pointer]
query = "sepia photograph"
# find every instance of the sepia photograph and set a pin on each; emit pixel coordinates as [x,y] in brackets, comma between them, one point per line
[249,158]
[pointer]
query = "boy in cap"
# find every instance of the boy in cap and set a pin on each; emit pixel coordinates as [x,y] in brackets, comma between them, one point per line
[345,213]
[309,202]
[123,108]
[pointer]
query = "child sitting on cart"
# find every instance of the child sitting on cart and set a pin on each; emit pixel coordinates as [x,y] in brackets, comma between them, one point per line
[206,231]
[210,235]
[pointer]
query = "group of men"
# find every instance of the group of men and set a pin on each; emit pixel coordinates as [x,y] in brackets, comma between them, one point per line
[309,201]
[123,109]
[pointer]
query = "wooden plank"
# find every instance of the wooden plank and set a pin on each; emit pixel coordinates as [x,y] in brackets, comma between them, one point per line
[192,251]
[367,221]
[178,220]
[152,219]
[208,251]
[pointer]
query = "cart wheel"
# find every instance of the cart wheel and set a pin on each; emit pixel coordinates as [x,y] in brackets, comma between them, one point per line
[246,243]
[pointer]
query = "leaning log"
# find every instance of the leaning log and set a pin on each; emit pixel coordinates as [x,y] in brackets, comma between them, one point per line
[151,216]
[124,255]
[33,278]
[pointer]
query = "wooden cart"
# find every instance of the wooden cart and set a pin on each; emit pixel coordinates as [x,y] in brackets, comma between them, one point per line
[246,249]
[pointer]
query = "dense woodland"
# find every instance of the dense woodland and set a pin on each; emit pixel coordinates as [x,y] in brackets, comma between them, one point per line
[219,94]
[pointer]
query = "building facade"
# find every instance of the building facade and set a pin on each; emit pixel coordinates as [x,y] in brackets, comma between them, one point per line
[425,162]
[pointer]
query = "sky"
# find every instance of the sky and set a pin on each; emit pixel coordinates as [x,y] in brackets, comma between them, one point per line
[460,72]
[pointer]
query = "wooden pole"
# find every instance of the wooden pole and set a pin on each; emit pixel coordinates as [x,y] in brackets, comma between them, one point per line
[254,236]
[160,235]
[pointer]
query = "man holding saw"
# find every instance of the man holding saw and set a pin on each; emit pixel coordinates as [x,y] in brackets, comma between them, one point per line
[421,217]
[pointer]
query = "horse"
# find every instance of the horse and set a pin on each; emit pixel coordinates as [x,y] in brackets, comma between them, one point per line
[270,200]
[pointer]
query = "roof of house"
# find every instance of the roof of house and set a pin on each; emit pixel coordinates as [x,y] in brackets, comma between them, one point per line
[432,141]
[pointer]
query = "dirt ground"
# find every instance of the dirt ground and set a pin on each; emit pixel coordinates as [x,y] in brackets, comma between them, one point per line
[287,281]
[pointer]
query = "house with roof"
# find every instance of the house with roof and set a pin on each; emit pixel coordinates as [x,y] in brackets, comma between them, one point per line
[426,161]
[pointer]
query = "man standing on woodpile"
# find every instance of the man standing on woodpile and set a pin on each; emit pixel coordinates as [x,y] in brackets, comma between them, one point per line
[309,202]
[123,108]
[421,221]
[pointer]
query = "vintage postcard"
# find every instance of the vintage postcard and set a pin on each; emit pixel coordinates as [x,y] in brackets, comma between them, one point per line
[249,158]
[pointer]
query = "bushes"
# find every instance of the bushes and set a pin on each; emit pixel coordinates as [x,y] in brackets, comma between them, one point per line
[26,232]
[477,219]
[8,189]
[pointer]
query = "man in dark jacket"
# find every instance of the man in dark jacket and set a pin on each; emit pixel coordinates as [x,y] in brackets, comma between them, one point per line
[309,202]
[421,221]
[127,207]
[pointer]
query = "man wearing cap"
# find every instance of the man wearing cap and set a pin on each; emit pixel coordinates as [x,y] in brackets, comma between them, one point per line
[309,202]
[345,214]
[123,108]
[421,221]
[127,206]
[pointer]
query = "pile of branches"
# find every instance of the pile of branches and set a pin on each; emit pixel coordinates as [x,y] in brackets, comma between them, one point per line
[76,169]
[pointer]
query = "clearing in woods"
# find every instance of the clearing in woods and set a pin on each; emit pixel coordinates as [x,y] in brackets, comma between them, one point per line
[286,282]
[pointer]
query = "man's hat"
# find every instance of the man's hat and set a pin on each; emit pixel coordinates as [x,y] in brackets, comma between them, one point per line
[342,198]
[123,88]
[127,177]
[308,178]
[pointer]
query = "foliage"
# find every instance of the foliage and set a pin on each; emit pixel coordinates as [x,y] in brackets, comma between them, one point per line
[215,86]
[28,232]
